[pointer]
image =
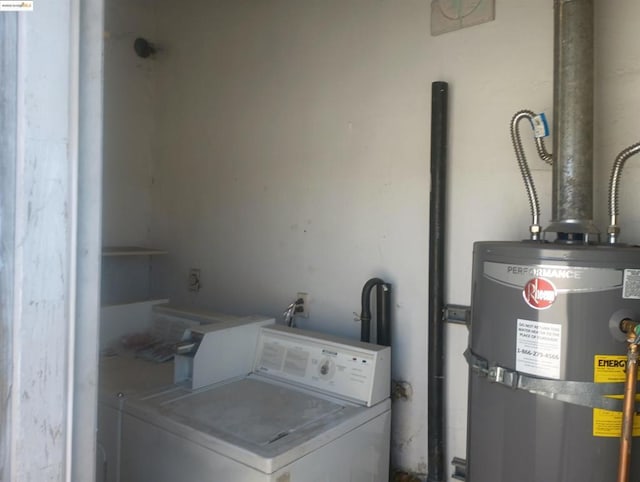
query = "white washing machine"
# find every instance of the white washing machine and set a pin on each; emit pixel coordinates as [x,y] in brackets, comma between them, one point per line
[123,374]
[315,409]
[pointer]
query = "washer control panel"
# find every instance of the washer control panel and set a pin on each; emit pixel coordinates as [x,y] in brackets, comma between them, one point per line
[356,371]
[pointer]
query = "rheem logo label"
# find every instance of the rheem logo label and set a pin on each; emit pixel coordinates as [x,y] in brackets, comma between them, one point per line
[539,293]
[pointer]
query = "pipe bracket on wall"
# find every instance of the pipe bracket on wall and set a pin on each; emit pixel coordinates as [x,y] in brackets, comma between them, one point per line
[457,314]
[459,469]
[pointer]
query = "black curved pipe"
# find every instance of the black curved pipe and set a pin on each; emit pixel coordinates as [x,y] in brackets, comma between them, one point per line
[435,383]
[365,309]
[383,319]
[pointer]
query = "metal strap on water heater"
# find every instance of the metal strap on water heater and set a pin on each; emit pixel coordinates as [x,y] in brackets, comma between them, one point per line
[586,394]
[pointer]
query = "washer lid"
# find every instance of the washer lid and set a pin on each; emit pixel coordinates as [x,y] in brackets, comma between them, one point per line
[250,410]
[123,375]
[261,423]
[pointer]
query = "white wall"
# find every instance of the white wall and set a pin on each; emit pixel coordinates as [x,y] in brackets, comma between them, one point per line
[129,100]
[616,104]
[292,154]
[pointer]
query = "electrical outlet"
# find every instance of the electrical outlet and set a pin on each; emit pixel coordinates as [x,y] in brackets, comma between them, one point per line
[302,307]
[194,279]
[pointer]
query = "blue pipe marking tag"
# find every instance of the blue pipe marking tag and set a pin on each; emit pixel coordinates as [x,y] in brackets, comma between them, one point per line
[540,125]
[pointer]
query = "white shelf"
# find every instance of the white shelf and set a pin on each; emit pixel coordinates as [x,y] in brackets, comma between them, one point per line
[131,251]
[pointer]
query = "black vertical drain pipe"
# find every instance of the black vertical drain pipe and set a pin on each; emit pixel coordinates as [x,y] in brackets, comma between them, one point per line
[435,384]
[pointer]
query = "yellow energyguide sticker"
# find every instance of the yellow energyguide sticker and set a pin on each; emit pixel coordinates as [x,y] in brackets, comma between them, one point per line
[611,369]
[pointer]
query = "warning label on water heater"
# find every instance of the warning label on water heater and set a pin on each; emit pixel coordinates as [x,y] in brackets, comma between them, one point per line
[631,286]
[611,369]
[539,348]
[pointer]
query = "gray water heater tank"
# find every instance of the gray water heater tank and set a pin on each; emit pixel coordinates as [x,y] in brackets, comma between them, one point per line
[543,314]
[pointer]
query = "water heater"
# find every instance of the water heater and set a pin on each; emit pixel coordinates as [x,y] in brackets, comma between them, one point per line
[547,354]
[555,323]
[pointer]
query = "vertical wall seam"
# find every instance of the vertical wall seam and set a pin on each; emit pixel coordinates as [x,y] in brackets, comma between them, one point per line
[8,70]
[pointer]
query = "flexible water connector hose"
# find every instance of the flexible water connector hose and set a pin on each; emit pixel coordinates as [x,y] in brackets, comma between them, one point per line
[534,204]
[542,151]
[614,189]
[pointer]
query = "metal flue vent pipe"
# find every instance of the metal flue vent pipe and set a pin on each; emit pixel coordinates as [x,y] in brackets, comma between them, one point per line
[572,208]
